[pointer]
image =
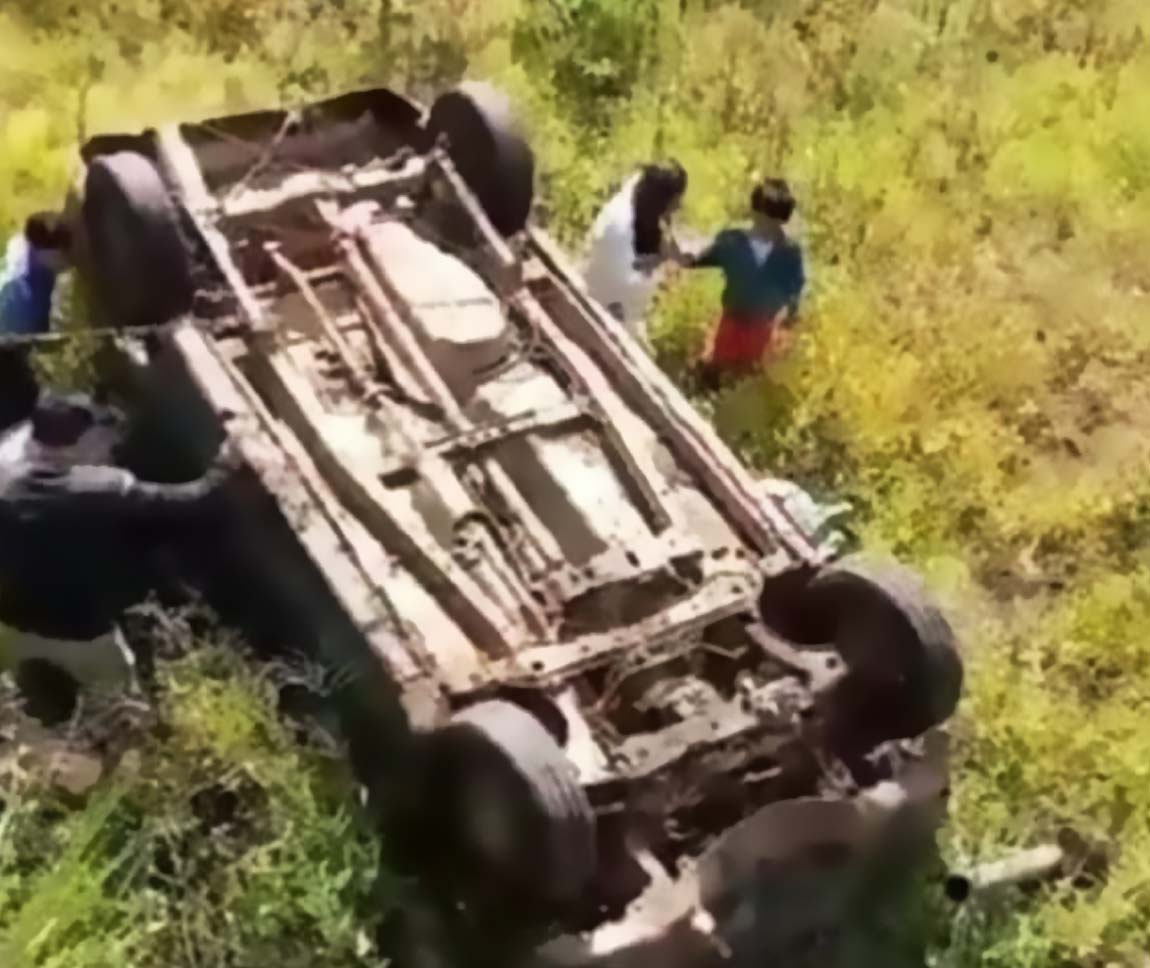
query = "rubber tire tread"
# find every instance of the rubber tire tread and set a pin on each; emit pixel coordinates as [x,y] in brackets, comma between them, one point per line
[420,938]
[565,867]
[933,663]
[488,148]
[146,280]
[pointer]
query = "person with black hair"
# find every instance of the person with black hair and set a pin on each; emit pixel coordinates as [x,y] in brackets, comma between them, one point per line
[33,261]
[631,239]
[764,279]
[78,534]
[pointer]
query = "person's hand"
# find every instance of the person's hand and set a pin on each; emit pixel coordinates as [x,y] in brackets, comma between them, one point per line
[678,256]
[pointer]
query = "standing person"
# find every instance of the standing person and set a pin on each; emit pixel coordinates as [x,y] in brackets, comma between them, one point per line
[78,535]
[33,262]
[764,280]
[630,239]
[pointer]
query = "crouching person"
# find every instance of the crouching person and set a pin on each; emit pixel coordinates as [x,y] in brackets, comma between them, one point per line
[77,534]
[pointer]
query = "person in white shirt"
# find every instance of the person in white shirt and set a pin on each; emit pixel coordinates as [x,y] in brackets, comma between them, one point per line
[631,239]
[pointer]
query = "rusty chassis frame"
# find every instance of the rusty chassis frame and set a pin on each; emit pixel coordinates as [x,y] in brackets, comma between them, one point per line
[504,586]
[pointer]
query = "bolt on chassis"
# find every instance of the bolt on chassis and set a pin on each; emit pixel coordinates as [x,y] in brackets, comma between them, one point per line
[595,667]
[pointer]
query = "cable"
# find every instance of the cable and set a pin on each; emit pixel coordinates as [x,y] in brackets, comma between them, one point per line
[8,341]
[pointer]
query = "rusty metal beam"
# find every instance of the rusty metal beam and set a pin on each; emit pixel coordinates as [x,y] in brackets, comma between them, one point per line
[468,442]
[352,566]
[615,417]
[503,265]
[369,390]
[490,570]
[309,185]
[706,732]
[490,627]
[545,666]
[648,389]
[383,315]
[392,326]
[823,668]
[180,162]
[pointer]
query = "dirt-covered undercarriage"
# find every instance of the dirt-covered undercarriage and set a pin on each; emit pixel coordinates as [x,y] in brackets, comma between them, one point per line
[632,686]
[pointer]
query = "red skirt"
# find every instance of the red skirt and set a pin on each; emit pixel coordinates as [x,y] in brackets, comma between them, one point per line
[741,342]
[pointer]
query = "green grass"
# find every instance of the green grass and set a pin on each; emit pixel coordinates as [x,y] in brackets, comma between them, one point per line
[974,186]
[220,841]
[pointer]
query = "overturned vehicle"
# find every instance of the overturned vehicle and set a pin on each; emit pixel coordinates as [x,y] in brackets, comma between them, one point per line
[593,666]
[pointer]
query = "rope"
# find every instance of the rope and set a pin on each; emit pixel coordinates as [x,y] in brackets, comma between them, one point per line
[36,340]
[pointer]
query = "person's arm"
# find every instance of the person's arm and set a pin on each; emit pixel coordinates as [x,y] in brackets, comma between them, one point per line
[798,282]
[152,498]
[711,257]
[112,489]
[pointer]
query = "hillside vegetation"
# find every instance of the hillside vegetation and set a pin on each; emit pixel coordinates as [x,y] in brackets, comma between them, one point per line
[974,187]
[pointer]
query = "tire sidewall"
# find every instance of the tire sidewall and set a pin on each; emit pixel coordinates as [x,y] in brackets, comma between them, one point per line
[460,767]
[135,249]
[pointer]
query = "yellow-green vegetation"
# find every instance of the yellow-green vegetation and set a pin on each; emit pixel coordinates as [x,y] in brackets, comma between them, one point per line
[974,184]
[219,841]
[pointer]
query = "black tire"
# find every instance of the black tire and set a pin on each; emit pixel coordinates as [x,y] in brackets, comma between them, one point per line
[904,668]
[488,147]
[517,819]
[417,935]
[141,267]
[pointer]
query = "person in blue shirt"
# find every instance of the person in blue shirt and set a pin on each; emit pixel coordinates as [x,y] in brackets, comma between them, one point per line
[32,263]
[764,279]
